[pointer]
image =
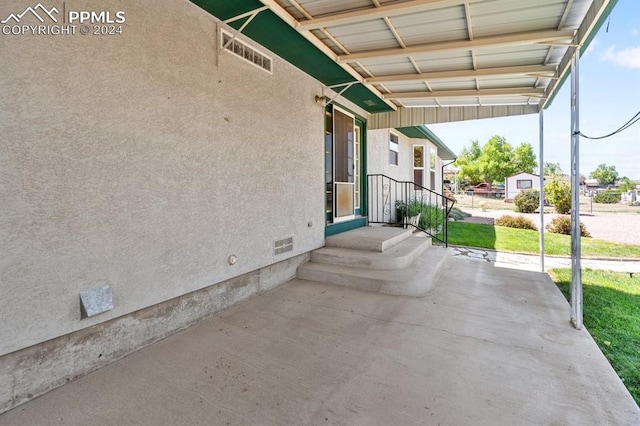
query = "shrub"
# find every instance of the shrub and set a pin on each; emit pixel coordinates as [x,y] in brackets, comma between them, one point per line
[527,201]
[562,225]
[519,222]
[559,194]
[607,197]
[431,216]
[457,214]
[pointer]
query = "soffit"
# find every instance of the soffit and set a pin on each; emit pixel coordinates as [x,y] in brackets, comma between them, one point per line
[426,53]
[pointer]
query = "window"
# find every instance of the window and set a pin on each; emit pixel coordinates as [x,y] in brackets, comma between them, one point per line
[418,156]
[432,166]
[418,166]
[393,149]
[432,159]
[524,184]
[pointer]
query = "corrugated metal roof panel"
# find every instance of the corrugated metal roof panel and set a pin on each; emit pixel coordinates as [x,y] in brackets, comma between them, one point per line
[414,86]
[318,8]
[369,35]
[429,27]
[453,85]
[511,56]
[507,100]
[412,103]
[576,14]
[495,83]
[389,66]
[512,16]
[444,62]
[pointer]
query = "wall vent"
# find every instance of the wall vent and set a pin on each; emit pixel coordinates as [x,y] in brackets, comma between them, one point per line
[246,52]
[282,246]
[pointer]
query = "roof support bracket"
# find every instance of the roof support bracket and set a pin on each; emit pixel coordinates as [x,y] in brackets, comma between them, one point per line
[340,92]
[251,14]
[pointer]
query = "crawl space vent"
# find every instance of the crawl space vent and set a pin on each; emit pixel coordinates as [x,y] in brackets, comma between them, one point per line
[282,246]
[246,52]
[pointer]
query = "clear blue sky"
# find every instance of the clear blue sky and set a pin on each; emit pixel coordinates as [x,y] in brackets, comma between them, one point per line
[609,97]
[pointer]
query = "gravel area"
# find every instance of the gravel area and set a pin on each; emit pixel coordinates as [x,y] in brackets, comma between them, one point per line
[615,227]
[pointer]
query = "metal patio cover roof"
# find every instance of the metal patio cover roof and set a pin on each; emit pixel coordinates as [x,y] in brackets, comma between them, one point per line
[424,53]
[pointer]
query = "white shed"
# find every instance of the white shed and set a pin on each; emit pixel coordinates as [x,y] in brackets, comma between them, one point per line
[516,183]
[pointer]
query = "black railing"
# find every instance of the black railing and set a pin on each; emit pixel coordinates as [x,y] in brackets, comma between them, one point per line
[404,203]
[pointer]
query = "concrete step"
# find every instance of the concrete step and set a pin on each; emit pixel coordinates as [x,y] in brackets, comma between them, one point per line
[415,280]
[369,238]
[399,256]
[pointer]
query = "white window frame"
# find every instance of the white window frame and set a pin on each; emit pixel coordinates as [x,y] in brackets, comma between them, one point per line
[394,147]
[524,180]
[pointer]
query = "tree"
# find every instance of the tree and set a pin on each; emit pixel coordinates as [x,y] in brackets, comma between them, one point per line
[626,185]
[496,160]
[524,160]
[468,164]
[552,169]
[606,175]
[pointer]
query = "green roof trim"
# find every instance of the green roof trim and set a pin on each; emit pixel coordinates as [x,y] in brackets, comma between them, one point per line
[585,45]
[423,132]
[268,30]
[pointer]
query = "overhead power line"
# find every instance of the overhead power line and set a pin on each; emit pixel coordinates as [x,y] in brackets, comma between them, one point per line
[625,126]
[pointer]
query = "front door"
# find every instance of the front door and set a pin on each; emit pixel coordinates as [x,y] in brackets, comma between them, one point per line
[340,165]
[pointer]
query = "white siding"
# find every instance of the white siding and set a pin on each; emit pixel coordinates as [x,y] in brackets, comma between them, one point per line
[511,185]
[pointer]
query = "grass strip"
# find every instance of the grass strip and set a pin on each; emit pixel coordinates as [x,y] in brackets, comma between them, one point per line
[526,241]
[611,310]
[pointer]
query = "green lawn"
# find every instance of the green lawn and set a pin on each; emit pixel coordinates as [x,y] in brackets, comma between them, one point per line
[526,241]
[611,308]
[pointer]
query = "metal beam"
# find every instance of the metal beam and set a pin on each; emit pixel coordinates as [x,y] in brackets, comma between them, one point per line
[245,15]
[576,267]
[517,39]
[541,172]
[516,91]
[534,70]
[406,117]
[291,21]
[394,9]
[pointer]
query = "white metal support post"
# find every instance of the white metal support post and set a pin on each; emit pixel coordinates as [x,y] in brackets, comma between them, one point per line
[541,171]
[576,272]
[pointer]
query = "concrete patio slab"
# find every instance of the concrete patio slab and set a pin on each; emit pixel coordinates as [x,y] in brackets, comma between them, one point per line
[489,346]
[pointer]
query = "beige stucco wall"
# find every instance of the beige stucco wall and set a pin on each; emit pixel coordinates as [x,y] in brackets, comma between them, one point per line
[378,157]
[143,161]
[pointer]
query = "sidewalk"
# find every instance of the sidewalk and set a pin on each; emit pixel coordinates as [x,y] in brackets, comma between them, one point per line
[530,262]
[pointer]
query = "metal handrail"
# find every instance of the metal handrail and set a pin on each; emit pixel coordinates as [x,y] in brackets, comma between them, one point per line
[407,204]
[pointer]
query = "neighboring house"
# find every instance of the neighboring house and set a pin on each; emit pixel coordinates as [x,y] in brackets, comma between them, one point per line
[408,154]
[152,178]
[591,187]
[407,163]
[519,182]
[631,197]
